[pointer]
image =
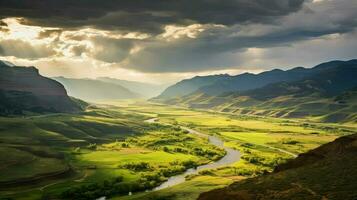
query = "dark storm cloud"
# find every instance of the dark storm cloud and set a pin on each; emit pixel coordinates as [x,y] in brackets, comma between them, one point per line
[144,15]
[205,34]
[217,49]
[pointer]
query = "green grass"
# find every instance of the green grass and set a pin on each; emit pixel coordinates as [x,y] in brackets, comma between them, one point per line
[113,141]
[114,158]
[296,143]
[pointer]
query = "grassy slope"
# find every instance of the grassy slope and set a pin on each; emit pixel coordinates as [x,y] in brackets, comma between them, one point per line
[318,174]
[36,148]
[313,107]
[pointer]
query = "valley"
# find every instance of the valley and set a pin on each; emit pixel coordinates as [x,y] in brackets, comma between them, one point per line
[111,150]
[178,100]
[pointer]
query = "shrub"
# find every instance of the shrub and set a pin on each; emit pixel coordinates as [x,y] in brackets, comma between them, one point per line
[95,190]
[290,141]
[140,166]
[92,146]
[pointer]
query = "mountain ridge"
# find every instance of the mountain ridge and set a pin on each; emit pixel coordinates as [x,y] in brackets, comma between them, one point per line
[311,96]
[23,89]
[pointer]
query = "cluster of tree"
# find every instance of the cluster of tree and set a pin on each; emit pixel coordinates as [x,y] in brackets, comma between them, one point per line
[139,166]
[249,171]
[151,180]
[92,146]
[96,190]
[212,154]
[172,170]
[176,150]
[112,187]
[270,162]
[289,141]
[116,186]
[189,164]
[177,167]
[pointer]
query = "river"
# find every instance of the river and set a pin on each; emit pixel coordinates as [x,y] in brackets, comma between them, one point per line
[231,157]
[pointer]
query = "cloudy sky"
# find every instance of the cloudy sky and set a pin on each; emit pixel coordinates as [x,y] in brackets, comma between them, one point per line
[166,40]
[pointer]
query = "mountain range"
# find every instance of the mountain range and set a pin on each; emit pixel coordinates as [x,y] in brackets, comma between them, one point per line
[94,90]
[104,88]
[327,91]
[146,90]
[224,83]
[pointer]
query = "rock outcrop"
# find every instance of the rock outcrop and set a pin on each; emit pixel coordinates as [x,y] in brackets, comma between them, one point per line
[24,89]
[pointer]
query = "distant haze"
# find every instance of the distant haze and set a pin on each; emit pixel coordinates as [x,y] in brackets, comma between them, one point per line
[101,89]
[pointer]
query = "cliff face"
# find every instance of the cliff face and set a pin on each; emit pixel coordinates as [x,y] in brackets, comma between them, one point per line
[24,89]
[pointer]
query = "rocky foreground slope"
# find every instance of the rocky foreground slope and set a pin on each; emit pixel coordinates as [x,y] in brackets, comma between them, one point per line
[328,172]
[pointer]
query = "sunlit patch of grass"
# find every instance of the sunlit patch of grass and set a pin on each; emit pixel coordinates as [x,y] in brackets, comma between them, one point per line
[114,158]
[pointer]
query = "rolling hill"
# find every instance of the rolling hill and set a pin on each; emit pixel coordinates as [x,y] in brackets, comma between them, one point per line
[95,90]
[23,89]
[317,174]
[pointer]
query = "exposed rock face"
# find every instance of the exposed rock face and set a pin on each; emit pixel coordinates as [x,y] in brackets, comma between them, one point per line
[24,89]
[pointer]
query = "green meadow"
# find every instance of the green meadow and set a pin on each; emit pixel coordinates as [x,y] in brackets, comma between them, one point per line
[110,150]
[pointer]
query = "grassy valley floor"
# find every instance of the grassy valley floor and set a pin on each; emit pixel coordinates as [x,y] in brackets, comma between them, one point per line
[111,150]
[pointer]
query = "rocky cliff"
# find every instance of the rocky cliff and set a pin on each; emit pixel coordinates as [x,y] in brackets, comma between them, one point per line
[24,89]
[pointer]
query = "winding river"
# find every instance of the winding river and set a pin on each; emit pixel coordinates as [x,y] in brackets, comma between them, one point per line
[231,157]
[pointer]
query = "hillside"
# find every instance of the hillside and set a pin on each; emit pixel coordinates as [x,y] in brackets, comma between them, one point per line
[312,96]
[36,149]
[23,89]
[144,89]
[95,90]
[317,174]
